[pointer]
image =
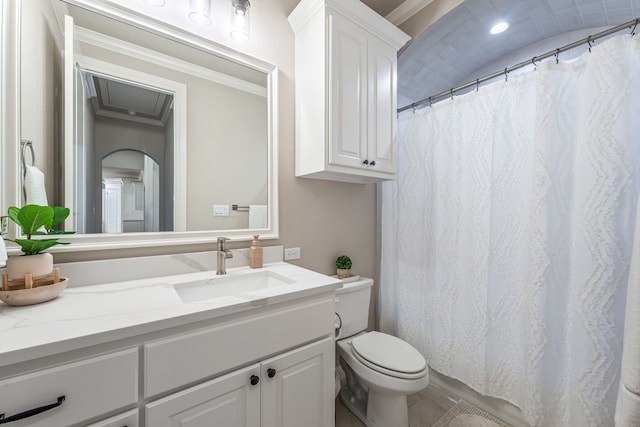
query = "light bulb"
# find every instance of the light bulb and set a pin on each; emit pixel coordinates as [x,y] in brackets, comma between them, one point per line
[199,11]
[240,19]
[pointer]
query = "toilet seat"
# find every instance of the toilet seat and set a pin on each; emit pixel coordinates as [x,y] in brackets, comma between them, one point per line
[389,355]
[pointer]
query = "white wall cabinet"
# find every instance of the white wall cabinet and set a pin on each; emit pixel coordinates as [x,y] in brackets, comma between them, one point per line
[346,60]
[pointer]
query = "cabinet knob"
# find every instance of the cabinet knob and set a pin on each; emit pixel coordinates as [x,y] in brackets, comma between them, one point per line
[373,163]
[271,372]
[365,162]
[254,379]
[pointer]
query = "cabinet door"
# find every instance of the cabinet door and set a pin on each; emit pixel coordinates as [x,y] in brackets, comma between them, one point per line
[232,400]
[348,93]
[382,107]
[298,387]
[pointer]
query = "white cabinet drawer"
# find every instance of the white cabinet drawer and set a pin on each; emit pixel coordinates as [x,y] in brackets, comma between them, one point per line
[189,358]
[90,387]
[127,419]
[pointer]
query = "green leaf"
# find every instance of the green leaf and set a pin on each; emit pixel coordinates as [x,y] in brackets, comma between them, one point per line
[32,217]
[13,213]
[59,215]
[33,247]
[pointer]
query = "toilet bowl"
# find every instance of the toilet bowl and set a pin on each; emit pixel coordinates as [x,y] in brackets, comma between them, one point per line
[381,370]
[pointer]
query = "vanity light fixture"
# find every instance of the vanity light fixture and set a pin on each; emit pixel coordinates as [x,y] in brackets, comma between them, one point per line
[240,19]
[499,27]
[199,11]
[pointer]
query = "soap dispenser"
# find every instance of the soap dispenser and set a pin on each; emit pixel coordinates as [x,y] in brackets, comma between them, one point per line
[255,253]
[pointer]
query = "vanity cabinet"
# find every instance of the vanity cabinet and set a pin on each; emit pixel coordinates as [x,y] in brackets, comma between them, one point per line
[252,359]
[345,82]
[289,390]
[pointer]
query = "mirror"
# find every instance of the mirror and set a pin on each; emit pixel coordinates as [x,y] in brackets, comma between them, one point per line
[148,133]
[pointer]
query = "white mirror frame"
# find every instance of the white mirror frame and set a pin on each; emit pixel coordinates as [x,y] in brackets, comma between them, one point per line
[10,190]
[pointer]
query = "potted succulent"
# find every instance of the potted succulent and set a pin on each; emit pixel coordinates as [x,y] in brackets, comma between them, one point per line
[35,220]
[343,266]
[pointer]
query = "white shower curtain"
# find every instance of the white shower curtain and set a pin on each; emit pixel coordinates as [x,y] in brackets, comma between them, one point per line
[507,236]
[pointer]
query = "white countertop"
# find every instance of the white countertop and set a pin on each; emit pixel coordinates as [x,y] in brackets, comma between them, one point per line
[90,315]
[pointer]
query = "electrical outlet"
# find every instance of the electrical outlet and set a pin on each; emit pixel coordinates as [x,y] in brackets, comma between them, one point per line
[291,253]
[220,210]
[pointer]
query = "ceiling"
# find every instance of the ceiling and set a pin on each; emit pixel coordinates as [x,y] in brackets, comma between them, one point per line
[452,49]
[126,101]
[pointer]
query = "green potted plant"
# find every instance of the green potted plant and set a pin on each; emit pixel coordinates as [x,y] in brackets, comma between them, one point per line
[343,266]
[35,220]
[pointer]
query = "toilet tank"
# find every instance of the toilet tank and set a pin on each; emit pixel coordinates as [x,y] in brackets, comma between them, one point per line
[352,306]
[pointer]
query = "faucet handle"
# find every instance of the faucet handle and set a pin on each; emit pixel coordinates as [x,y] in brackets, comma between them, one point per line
[221,243]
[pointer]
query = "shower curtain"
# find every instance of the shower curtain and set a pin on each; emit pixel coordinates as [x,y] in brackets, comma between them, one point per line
[507,236]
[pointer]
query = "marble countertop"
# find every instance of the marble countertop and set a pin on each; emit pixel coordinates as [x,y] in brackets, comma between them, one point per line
[90,315]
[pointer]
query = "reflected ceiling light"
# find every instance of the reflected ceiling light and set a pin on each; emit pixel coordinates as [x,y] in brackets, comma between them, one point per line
[499,27]
[199,11]
[157,3]
[240,19]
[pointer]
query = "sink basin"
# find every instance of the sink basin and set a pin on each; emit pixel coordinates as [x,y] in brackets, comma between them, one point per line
[229,285]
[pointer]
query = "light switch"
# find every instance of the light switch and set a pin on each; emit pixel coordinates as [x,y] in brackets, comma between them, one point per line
[220,210]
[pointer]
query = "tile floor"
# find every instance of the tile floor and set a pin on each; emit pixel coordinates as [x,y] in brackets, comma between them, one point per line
[425,408]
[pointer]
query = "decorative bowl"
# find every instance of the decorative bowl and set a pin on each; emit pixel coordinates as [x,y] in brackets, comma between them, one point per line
[36,295]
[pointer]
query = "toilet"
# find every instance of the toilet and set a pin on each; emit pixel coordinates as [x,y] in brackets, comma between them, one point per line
[381,370]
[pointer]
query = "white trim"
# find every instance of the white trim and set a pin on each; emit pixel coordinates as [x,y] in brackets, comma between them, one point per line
[179,91]
[85,35]
[69,119]
[406,10]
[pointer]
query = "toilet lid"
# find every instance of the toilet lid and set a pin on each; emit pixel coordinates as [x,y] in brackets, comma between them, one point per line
[389,353]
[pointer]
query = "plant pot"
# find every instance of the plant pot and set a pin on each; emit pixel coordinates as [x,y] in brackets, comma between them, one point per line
[343,273]
[38,265]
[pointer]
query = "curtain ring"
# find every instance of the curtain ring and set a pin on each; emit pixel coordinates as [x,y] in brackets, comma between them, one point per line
[430,102]
[506,74]
[533,61]
[557,56]
[589,41]
[413,107]
[451,93]
[477,85]
[633,31]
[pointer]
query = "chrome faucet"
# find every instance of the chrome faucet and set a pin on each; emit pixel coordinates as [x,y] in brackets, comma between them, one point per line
[223,254]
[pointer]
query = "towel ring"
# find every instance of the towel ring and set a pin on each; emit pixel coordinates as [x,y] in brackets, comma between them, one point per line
[25,143]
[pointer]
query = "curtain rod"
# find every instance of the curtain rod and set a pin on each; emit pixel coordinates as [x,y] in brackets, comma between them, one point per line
[449,93]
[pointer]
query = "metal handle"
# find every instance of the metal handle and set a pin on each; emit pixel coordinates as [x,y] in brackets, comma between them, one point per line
[373,163]
[221,243]
[254,380]
[365,162]
[31,412]
[271,372]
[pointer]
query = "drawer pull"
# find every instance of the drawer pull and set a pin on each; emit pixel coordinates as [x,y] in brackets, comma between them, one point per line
[271,372]
[365,162]
[254,379]
[31,412]
[373,163]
